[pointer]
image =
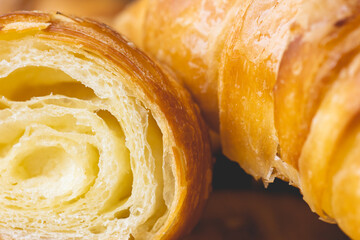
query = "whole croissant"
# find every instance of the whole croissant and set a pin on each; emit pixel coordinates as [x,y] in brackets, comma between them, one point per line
[281,77]
[96,140]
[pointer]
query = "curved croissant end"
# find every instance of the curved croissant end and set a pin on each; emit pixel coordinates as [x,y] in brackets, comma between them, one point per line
[293,110]
[96,142]
[317,96]
[287,75]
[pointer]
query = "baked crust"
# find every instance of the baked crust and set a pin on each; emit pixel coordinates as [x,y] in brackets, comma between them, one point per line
[285,75]
[187,36]
[157,117]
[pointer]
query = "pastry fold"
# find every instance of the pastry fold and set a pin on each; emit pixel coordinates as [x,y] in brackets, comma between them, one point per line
[285,75]
[188,37]
[96,140]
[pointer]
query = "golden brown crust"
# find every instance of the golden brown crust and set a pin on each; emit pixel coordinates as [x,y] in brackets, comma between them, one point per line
[162,95]
[286,88]
[185,36]
[312,51]
[250,60]
[322,112]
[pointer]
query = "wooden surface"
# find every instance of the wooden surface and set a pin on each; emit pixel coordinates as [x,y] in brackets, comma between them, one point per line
[254,215]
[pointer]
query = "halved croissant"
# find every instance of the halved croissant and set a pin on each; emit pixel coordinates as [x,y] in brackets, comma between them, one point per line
[96,141]
[285,74]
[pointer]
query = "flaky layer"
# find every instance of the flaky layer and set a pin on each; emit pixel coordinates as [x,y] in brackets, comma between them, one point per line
[188,36]
[96,141]
[287,87]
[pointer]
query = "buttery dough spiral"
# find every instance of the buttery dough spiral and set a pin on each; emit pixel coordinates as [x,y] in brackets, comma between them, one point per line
[283,77]
[96,141]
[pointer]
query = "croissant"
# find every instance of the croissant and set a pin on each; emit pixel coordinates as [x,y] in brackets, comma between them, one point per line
[185,40]
[97,141]
[281,78]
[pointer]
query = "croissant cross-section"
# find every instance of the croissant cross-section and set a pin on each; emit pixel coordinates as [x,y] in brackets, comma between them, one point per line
[96,141]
